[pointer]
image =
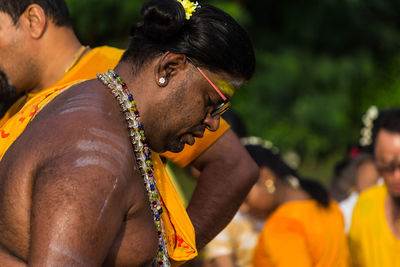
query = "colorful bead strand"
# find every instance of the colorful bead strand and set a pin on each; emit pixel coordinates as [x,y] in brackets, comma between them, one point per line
[143,155]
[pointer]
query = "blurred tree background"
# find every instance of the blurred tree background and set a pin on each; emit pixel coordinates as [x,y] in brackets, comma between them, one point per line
[320,65]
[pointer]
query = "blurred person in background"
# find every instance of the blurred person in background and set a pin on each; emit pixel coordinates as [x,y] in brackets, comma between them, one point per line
[357,171]
[374,237]
[352,176]
[39,50]
[303,227]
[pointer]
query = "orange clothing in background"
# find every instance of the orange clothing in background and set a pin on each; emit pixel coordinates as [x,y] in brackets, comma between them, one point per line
[303,234]
[179,230]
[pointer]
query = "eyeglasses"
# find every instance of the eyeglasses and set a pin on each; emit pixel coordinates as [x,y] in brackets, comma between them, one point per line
[388,169]
[224,106]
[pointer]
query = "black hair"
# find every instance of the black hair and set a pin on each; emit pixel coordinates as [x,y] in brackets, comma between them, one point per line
[8,94]
[236,123]
[56,10]
[389,120]
[264,157]
[212,38]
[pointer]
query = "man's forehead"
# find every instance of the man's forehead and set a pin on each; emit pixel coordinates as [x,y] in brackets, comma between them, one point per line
[228,86]
[387,145]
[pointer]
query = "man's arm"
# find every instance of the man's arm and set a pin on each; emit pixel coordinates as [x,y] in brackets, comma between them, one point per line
[8,260]
[78,207]
[227,174]
[84,182]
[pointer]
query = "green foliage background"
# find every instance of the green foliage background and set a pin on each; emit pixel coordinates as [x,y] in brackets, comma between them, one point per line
[320,65]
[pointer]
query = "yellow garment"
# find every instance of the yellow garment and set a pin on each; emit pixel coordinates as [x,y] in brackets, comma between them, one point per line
[15,121]
[303,234]
[186,156]
[371,242]
[179,229]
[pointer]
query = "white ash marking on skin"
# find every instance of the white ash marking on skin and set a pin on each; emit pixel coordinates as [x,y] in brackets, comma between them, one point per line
[96,161]
[76,109]
[106,202]
[99,147]
[66,252]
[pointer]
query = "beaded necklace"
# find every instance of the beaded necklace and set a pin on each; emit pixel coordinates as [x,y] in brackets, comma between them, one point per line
[143,155]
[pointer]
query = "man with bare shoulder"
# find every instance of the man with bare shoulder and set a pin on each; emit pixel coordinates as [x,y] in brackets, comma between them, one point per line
[82,183]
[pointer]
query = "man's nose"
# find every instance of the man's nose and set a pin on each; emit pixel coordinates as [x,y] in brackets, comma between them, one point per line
[396,173]
[212,122]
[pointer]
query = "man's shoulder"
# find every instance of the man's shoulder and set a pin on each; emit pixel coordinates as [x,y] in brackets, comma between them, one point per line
[372,195]
[81,112]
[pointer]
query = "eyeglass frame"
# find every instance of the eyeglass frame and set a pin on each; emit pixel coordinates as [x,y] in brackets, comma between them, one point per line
[388,169]
[225,105]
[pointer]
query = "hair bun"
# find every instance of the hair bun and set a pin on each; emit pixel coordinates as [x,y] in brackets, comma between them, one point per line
[162,19]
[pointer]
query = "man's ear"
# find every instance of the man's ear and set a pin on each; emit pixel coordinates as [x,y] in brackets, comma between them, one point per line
[168,66]
[34,20]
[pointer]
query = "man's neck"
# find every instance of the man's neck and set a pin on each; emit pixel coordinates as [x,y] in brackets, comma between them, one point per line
[57,52]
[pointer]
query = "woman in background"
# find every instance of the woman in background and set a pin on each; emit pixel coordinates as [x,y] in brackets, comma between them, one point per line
[304,227]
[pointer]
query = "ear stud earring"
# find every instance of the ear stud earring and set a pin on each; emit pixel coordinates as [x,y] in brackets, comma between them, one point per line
[161,80]
[269,184]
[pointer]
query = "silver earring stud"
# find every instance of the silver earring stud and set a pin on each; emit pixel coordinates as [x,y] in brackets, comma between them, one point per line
[161,80]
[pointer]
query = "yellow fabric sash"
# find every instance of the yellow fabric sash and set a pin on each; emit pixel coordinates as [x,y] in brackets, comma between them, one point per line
[179,230]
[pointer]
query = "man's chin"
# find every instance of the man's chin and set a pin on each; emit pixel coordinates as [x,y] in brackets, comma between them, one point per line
[395,194]
[175,147]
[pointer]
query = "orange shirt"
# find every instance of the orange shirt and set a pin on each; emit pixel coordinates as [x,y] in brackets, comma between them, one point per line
[303,234]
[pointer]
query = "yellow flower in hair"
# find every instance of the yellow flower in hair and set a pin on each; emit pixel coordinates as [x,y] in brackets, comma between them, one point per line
[189,7]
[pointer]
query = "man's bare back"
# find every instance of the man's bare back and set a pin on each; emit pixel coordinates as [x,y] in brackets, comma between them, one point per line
[70,176]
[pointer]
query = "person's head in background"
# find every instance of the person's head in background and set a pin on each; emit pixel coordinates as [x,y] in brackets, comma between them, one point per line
[23,23]
[386,149]
[278,184]
[356,173]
